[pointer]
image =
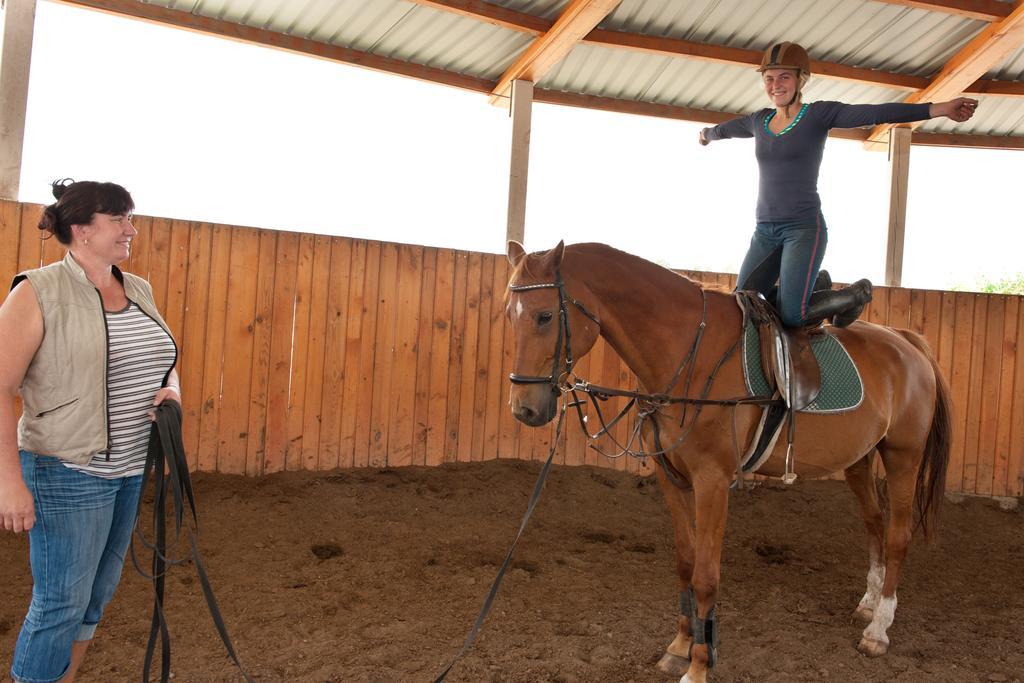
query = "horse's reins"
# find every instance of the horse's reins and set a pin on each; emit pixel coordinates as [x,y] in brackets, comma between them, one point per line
[647,404]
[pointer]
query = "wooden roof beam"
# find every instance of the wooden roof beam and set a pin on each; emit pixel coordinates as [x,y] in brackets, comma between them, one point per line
[492,14]
[985,50]
[1001,88]
[978,141]
[577,20]
[985,10]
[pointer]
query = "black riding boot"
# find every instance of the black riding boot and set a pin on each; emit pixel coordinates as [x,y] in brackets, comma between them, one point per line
[821,283]
[843,306]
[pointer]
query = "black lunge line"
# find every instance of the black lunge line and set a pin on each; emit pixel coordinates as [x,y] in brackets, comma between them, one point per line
[167,452]
[508,558]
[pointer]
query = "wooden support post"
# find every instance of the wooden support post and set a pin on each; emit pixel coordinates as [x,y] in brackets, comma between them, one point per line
[899,171]
[15,60]
[521,112]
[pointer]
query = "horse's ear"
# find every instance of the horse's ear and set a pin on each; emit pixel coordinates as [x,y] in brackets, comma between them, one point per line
[515,253]
[557,253]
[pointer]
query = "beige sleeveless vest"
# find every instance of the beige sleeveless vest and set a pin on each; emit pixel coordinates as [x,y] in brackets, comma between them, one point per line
[64,393]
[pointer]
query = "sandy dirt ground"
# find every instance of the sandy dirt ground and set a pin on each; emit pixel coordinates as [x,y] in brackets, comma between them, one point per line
[368,575]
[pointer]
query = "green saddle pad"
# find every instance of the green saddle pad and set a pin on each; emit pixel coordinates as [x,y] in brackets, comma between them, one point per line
[841,386]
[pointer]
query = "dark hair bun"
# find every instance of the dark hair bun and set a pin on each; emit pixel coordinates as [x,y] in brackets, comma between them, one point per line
[59,186]
[50,219]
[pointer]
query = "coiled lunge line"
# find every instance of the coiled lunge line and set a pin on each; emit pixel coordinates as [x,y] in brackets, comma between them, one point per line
[167,463]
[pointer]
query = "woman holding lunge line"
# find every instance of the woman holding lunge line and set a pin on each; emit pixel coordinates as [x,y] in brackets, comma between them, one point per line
[90,355]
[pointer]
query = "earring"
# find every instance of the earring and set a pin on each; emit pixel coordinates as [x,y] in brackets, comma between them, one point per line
[87,242]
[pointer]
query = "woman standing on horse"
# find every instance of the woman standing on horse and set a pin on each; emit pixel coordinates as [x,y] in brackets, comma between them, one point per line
[790,238]
[90,355]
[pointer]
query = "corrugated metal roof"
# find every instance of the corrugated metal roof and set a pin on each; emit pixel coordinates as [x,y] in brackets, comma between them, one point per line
[885,36]
[995,116]
[685,82]
[858,33]
[388,28]
[1011,68]
[548,9]
[453,43]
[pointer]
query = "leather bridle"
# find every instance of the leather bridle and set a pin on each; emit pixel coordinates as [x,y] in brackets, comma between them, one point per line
[563,344]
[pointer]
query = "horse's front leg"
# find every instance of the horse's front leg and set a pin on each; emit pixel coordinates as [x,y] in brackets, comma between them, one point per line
[680,505]
[711,497]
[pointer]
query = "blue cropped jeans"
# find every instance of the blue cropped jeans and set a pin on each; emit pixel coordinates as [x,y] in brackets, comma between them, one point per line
[76,549]
[790,253]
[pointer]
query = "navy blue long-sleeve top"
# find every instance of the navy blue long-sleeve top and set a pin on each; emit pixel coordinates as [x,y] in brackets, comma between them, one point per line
[789,162]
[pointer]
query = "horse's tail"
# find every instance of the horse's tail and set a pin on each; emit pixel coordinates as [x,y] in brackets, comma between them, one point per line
[931,478]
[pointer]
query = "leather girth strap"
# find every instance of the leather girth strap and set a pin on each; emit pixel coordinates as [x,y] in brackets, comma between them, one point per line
[167,464]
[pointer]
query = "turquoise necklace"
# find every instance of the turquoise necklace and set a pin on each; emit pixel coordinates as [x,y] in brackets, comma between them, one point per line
[796,120]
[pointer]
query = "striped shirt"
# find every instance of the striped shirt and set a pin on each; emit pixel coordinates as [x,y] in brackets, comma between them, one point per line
[140,354]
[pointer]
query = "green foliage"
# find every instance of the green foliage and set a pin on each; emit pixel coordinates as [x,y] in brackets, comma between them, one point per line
[1007,285]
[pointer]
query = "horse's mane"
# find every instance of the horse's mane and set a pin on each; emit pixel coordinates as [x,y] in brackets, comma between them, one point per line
[606,251]
[598,249]
[534,263]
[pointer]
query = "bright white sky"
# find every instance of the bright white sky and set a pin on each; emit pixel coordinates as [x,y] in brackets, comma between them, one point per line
[202,128]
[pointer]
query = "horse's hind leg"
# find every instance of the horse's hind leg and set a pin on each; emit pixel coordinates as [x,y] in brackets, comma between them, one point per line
[677,655]
[861,481]
[901,483]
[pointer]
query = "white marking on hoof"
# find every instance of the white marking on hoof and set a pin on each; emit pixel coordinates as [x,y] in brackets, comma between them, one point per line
[688,679]
[876,641]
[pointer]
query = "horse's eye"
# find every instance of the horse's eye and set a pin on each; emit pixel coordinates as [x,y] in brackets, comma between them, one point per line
[544,318]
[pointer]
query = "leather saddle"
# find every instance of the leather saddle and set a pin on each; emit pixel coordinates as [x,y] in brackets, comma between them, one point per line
[786,355]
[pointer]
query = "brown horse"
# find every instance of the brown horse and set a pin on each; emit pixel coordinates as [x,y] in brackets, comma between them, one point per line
[651,317]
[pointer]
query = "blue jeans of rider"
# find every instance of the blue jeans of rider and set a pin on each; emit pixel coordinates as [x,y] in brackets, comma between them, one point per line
[791,253]
[76,549]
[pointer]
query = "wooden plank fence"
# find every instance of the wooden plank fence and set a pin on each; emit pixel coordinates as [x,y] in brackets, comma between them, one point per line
[303,351]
